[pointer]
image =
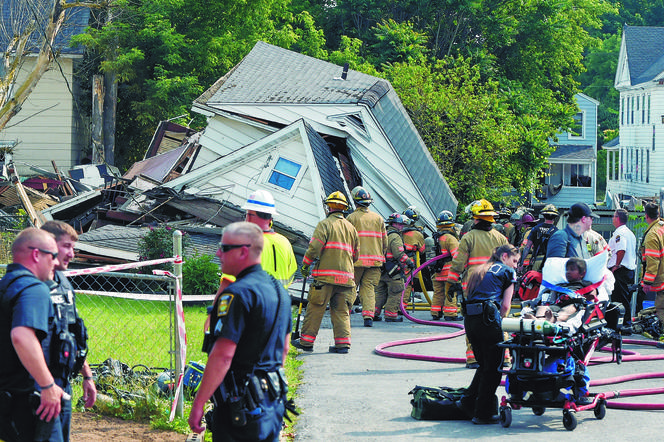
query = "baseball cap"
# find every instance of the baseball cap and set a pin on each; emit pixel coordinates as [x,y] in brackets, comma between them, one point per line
[579,210]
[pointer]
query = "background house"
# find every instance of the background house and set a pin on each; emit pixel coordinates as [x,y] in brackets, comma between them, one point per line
[572,170]
[48,126]
[303,128]
[635,161]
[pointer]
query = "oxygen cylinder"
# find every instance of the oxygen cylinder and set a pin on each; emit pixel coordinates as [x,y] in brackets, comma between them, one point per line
[530,326]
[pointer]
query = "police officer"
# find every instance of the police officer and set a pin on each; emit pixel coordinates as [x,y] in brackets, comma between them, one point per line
[622,261]
[447,243]
[413,242]
[373,245]
[250,326]
[335,245]
[68,329]
[475,249]
[397,264]
[25,305]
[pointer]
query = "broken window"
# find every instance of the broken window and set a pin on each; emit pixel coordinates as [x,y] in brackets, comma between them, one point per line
[284,173]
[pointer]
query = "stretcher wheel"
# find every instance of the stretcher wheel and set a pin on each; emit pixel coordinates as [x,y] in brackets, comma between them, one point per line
[505,416]
[569,420]
[600,409]
[538,411]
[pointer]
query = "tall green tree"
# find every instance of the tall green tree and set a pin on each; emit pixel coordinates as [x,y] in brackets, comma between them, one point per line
[465,121]
[167,52]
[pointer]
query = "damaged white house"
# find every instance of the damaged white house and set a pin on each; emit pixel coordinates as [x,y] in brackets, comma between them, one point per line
[303,128]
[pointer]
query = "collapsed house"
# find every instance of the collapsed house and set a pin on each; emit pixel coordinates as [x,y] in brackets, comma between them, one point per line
[296,126]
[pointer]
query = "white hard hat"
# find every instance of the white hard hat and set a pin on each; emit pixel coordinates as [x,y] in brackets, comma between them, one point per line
[261,201]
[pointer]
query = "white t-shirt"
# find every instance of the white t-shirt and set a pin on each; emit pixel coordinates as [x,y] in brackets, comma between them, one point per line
[623,239]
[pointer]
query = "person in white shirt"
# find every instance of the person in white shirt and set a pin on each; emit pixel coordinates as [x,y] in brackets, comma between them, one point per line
[622,261]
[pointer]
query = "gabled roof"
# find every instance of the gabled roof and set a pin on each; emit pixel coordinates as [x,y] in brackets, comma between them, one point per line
[571,152]
[645,52]
[76,20]
[273,75]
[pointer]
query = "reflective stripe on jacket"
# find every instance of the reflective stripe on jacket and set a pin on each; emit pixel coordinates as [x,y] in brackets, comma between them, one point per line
[475,249]
[448,243]
[373,237]
[413,241]
[395,250]
[652,253]
[336,245]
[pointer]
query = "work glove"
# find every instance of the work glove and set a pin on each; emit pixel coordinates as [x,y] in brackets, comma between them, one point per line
[410,264]
[453,290]
[305,271]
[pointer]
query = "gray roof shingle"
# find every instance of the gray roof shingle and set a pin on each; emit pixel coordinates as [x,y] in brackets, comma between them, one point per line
[573,152]
[294,78]
[645,52]
[13,22]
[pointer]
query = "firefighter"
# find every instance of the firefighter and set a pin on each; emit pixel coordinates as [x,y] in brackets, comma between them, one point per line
[413,243]
[336,246]
[504,215]
[525,227]
[475,248]
[538,238]
[447,241]
[651,250]
[397,264]
[373,245]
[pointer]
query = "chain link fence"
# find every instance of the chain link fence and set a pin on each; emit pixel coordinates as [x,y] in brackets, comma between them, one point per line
[130,317]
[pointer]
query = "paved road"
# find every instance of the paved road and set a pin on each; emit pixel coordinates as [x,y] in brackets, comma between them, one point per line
[363,396]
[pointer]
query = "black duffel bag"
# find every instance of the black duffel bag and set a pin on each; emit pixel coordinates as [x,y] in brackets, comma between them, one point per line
[437,403]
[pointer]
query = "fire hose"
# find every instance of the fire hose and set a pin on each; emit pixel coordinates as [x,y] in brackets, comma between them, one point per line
[628,356]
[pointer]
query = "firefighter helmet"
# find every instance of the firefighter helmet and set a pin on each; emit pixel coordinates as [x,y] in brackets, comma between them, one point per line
[411,213]
[483,209]
[361,196]
[527,218]
[337,201]
[260,201]
[549,209]
[397,218]
[504,213]
[445,219]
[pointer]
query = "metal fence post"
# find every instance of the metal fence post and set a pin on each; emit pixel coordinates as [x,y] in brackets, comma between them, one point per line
[177,271]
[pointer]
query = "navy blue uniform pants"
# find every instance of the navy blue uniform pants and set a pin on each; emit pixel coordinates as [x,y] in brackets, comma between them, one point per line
[484,337]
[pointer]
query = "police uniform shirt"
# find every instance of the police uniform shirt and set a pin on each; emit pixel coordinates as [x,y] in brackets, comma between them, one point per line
[245,313]
[497,279]
[29,308]
[62,297]
[623,239]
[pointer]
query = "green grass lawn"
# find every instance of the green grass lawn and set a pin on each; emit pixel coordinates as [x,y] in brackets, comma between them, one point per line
[138,333]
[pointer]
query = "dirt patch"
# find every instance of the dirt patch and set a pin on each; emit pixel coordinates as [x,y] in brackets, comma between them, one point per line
[90,427]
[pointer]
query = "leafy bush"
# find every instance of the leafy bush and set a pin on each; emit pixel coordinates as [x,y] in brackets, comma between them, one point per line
[200,275]
[158,244]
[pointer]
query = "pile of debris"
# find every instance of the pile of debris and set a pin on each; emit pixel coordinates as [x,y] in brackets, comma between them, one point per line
[111,211]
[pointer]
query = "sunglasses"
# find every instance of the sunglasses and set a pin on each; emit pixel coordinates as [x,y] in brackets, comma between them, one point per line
[228,247]
[54,255]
